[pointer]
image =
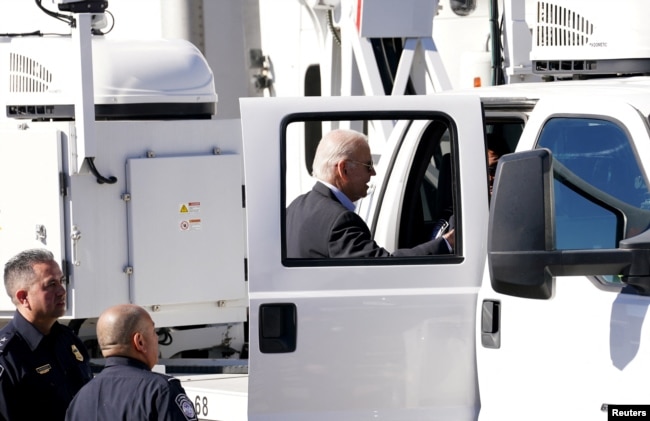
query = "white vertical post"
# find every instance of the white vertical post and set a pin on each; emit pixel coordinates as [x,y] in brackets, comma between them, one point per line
[435,66]
[518,43]
[404,66]
[84,103]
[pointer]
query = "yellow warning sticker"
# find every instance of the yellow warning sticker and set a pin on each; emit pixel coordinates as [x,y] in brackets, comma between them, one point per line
[190,207]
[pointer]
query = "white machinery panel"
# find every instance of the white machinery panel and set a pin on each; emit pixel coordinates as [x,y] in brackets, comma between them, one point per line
[186,236]
[31,204]
[390,18]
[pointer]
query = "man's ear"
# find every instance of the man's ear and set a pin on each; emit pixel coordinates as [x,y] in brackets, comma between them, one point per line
[21,296]
[139,343]
[342,170]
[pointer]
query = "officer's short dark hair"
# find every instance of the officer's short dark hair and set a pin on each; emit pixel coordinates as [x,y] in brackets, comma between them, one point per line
[19,270]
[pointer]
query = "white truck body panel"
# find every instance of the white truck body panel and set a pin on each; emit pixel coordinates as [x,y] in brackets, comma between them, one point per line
[585,347]
[218,396]
[580,354]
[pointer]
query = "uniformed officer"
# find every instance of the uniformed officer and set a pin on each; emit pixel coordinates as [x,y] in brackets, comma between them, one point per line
[127,389]
[43,364]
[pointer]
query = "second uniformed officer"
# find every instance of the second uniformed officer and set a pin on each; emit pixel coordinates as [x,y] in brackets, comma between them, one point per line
[42,362]
[127,389]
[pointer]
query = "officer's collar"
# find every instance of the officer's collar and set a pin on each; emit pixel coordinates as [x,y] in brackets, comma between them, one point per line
[120,360]
[29,333]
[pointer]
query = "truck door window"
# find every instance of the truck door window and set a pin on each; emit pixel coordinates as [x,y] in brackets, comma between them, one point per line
[507,131]
[611,206]
[428,199]
[406,219]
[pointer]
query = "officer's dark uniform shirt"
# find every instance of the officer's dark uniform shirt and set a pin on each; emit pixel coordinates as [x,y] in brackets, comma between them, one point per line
[127,390]
[39,375]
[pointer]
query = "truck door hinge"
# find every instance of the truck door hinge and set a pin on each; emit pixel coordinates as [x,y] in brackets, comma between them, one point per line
[243,196]
[66,269]
[63,185]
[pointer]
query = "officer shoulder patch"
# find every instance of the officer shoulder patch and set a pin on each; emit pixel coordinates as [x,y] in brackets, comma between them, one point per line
[186,407]
[5,338]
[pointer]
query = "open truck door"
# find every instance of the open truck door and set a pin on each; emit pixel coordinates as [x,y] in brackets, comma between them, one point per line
[385,338]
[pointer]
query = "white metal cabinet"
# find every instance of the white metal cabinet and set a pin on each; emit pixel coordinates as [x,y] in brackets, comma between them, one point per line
[147,260]
[31,201]
[183,229]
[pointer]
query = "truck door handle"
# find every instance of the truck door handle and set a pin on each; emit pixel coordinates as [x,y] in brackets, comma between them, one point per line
[278,328]
[491,324]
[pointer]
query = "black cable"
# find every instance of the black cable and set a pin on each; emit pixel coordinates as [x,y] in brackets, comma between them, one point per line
[99,31]
[496,30]
[63,18]
[336,32]
[100,178]
[24,34]
[32,34]
[501,75]
[166,335]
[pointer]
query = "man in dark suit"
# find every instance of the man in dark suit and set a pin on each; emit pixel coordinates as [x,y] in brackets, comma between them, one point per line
[323,223]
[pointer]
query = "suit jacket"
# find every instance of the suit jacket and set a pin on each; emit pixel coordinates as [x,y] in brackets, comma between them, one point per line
[318,226]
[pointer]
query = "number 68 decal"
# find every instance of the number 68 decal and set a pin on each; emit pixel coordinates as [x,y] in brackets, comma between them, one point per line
[201,405]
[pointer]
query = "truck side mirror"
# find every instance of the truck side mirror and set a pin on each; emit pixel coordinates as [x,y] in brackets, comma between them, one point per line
[521,224]
[522,257]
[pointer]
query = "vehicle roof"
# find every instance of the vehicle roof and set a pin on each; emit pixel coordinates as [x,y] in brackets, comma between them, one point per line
[634,90]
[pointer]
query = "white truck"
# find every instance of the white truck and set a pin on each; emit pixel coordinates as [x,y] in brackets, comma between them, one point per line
[537,315]
[550,328]
[431,337]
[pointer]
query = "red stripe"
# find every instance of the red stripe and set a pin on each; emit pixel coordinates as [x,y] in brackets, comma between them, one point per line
[359,5]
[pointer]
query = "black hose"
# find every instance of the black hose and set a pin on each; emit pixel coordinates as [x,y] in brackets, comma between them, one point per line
[495,38]
[63,18]
[100,178]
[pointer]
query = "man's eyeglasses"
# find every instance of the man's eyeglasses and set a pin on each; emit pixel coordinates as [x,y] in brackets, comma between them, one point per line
[370,166]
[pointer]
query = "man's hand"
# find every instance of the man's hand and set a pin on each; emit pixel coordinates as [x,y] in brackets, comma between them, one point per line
[450,236]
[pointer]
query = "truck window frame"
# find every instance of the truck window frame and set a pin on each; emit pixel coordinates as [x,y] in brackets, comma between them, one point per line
[619,156]
[366,117]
